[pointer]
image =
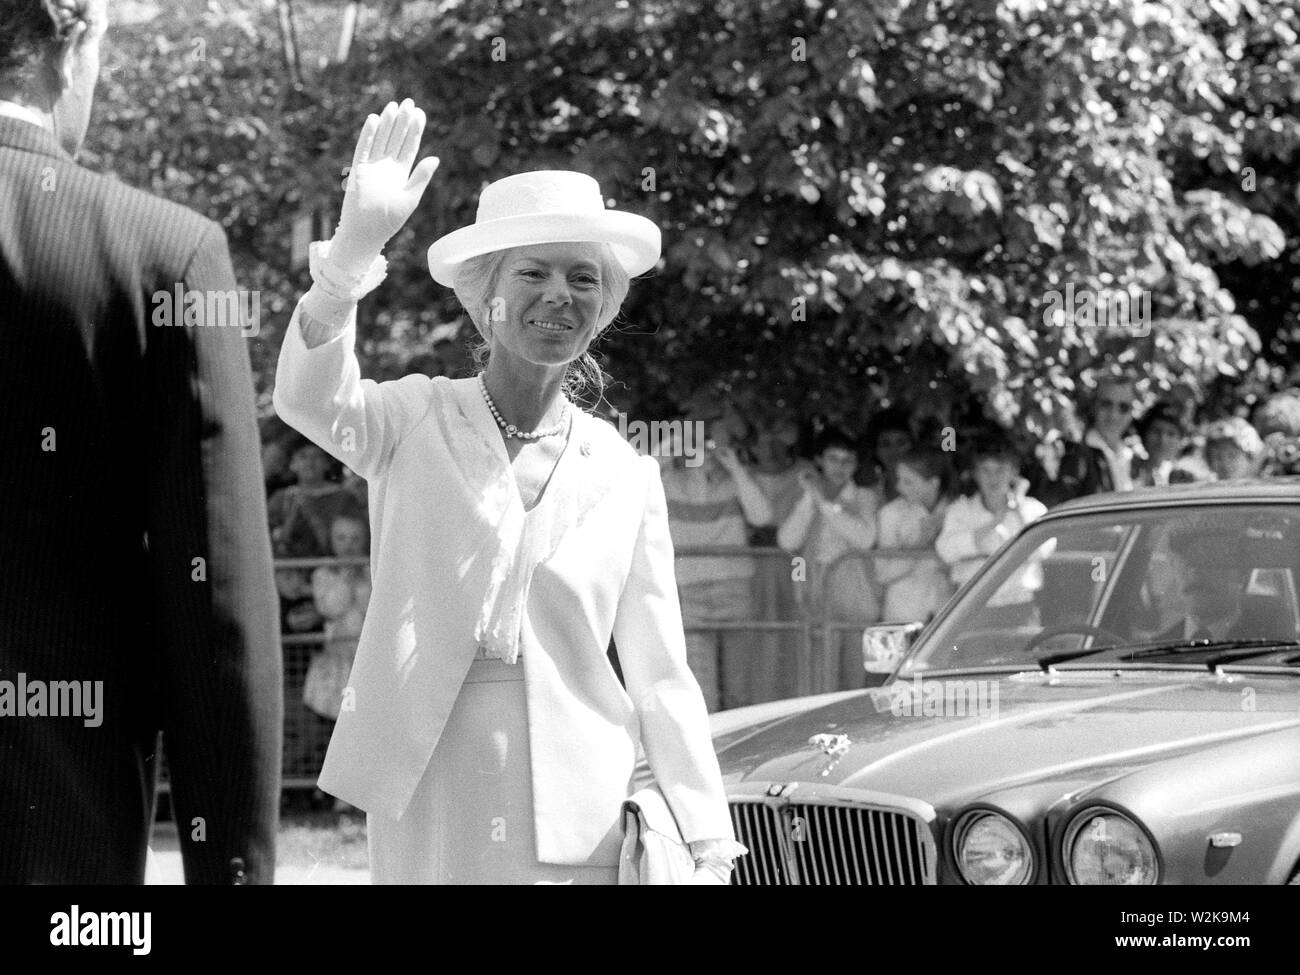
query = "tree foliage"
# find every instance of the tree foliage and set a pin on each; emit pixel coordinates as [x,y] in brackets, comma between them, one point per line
[862,204]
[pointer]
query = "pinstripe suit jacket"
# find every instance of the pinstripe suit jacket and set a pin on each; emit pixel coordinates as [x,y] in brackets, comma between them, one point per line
[127,452]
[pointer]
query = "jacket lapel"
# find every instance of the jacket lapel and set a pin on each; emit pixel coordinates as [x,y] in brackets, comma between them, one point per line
[586,472]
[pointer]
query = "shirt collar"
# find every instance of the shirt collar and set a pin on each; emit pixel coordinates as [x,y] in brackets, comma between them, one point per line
[14,110]
[1120,461]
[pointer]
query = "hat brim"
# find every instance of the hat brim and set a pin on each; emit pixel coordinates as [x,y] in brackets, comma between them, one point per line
[636,241]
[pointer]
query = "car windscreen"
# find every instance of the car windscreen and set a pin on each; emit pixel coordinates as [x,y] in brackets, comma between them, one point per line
[1205,574]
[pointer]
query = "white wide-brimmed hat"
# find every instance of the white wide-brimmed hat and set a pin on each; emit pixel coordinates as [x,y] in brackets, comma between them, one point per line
[546,206]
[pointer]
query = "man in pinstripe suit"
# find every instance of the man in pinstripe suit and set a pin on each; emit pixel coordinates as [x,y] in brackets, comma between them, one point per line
[133,541]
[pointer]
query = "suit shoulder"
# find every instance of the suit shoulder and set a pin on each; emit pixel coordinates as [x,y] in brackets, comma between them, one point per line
[117,195]
[157,223]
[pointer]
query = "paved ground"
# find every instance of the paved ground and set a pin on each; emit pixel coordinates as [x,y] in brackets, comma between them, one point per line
[165,865]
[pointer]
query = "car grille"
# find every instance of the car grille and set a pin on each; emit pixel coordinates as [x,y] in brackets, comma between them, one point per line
[832,844]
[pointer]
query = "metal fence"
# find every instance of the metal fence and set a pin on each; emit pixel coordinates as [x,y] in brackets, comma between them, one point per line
[803,635]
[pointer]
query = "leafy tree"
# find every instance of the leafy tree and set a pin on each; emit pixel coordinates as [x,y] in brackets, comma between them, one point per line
[862,204]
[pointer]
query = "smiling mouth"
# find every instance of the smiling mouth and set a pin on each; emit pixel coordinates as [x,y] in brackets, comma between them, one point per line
[549,326]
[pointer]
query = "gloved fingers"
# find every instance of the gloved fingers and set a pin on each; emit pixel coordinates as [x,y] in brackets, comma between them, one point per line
[365,143]
[384,134]
[402,123]
[411,143]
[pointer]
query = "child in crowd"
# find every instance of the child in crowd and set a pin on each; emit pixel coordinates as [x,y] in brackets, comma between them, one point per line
[974,527]
[835,518]
[916,588]
[341,594]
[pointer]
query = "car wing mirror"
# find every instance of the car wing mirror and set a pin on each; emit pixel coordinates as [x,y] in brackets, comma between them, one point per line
[884,644]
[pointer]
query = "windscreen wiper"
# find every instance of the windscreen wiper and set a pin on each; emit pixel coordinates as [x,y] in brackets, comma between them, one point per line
[1245,654]
[1187,646]
[1154,648]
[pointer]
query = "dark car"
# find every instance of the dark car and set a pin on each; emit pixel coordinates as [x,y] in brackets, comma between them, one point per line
[1113,699]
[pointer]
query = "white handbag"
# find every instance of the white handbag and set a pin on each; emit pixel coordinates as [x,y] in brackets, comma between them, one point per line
[653,849]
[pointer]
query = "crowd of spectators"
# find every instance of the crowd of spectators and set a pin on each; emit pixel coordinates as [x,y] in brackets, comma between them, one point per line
[816,513]
[808,514]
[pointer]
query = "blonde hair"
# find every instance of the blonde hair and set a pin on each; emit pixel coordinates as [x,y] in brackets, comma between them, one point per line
[476,280]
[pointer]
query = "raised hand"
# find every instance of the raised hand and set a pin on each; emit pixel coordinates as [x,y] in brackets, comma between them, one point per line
[382,190]
[809,480]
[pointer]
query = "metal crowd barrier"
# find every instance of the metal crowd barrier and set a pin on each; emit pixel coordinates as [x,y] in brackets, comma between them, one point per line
[811,629]
[306,734]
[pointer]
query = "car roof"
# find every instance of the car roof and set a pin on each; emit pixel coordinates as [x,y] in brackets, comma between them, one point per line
[1252,491]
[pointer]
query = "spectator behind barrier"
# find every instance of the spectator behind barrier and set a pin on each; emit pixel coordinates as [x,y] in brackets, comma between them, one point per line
[1104,460]
[776,470]
[1277,421]
[834,517]
[889,436]
[715,503]
[916,589]
[975,526]
[341,593]
[1164,433]
[1233,449]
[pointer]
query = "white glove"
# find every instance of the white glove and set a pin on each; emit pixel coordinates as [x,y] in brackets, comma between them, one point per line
[382,191]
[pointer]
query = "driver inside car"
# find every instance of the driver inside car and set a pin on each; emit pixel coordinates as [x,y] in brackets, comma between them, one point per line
[1214,576]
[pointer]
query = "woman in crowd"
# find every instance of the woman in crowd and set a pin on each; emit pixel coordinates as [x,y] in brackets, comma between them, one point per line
[776,470]
[975,526]
[1164,435]
[1103,460]
[831,529]
[889,436]
[1233,449]
[1277,420]
[716,502]
[916,588]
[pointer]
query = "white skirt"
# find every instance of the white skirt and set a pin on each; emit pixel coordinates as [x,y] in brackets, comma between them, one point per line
[471,818]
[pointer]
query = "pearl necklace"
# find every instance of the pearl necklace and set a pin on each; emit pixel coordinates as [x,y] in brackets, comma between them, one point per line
[513,431]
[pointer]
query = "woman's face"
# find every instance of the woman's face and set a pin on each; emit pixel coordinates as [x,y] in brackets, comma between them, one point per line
[916,487]
[891,445]
[310,464]
[1163,441]
[993,477]
[1113,410]
[838,465]
[546,302]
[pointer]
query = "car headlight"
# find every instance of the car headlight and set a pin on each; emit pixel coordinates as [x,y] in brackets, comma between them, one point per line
[991,850]
[1103,846]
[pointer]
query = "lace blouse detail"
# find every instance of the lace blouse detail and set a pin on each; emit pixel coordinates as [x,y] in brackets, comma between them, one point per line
[524,539]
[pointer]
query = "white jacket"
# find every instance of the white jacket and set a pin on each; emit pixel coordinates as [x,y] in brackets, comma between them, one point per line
[442,499]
